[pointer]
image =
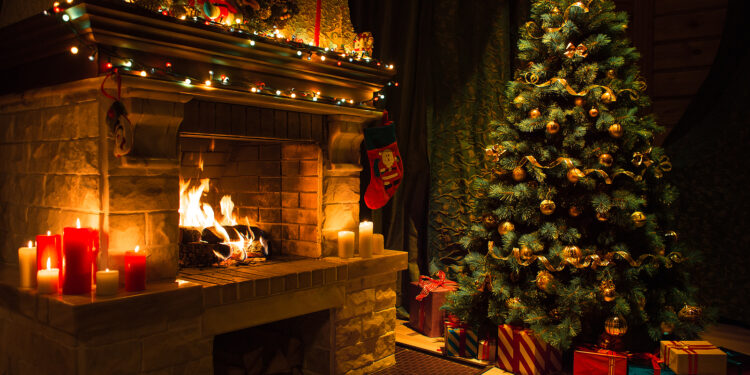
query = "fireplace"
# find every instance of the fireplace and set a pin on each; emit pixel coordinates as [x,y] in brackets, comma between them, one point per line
[291,167]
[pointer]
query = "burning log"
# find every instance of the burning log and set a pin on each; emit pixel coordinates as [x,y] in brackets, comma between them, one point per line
[201,254]
[188,235]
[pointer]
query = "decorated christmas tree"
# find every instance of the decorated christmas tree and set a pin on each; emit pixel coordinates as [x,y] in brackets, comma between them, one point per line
[572,230]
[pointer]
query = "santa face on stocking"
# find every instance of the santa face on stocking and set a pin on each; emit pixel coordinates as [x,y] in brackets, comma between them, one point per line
[388,168]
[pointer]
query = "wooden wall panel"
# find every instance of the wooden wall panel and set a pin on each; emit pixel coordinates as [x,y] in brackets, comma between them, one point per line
[674,6]
[683,54]
[698,24]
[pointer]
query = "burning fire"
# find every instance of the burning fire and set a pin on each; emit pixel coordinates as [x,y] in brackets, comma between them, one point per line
[200,215]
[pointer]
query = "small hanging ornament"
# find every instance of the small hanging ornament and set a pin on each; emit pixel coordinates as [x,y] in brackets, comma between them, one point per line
[606,97]
[616,326]
[593,112]
[490,221]
[526,253]
[574,211]
[615,130]
[553,127]
[602,216]
[607,288]
[671,236]
[519,101]
[572,253]
[638,218]
[544,281]
[505,227]
[606,160]
[579,102]
[690,313]
[666,328]
[661,251]
[534,113]
[574,174]
[611,74]
[547,207]
[519,174]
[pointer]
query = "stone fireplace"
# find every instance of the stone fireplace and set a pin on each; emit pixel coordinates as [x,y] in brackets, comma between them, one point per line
[291,166]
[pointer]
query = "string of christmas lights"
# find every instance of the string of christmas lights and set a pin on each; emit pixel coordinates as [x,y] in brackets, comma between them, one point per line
[130,66]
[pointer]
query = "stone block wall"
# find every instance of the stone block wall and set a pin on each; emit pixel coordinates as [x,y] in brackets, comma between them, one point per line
[365,325]
[50,165]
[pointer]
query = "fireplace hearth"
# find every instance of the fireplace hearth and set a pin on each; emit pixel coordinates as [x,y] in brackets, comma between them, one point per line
[291,168]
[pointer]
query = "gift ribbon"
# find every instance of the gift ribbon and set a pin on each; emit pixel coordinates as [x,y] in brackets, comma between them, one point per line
[610,354]
[692,353]
[429,284]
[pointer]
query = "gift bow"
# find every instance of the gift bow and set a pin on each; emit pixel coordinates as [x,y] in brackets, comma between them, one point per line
[429,284]
[571,50]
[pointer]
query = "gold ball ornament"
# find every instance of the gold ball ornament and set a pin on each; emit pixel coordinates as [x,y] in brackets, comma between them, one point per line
[572,252]
[667,328]
[638,218]
[616,326]
[534,113]
[593,112]
[615,130]
[578,102]
[690,313]
[553,127]
[606,97]
[602,216]
[490,221]
[519,174]
[606,160]
[505,227]
[547,207]
[609,294]
[671,236]
[526,253]
[519,101]
[544,281]
[574,174]
[574,211]
[611,74]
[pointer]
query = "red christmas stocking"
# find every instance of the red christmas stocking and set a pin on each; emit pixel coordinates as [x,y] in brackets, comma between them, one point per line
[386,169]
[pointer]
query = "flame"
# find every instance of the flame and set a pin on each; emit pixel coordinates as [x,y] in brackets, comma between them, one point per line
[200,162]
[30,244]
[137,248]
[78,223]
[200,215]
[49,263]
[49,233]
[106,270]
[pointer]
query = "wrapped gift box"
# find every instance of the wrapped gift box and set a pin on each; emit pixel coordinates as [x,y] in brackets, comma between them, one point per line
[425,299]
[520,351]
[487,350]
[592,361]
[460,341]
[693,357]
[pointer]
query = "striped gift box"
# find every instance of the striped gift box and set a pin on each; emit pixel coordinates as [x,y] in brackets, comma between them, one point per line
[521,352]
[487,350]
[460,342]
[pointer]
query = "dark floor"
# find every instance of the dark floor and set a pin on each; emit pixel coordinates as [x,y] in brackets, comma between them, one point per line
[412,362]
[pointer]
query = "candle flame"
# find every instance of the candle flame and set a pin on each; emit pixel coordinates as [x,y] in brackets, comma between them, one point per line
[49,264]
[29,244]
[137,248]
[107,270]
[78,223]
[49,233]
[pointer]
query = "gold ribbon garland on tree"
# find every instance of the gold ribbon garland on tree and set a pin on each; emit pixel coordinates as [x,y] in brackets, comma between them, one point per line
[532,79]
[590,261]
[578,4]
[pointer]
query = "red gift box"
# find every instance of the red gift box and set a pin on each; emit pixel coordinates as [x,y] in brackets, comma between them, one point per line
[590,361]
[426,296]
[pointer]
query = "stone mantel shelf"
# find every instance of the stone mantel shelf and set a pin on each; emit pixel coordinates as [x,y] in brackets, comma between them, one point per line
[41,42]
[228,299]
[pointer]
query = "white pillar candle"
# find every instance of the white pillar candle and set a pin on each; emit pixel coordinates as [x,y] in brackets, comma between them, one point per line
[378,243]
[346,244]
[48,280]
[107,282]
[365,239]
[27,266]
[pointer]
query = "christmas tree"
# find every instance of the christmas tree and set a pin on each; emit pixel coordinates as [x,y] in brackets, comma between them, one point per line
[572,220]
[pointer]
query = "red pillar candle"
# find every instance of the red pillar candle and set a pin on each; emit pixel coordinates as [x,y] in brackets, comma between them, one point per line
[77,258]
[135,271]
[49,247]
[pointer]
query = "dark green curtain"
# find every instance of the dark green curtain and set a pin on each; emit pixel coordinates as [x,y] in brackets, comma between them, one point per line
[453,58]
[708,149]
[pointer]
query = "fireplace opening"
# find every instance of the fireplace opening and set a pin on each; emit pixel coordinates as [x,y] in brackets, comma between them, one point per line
[244,201]
[291,346]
